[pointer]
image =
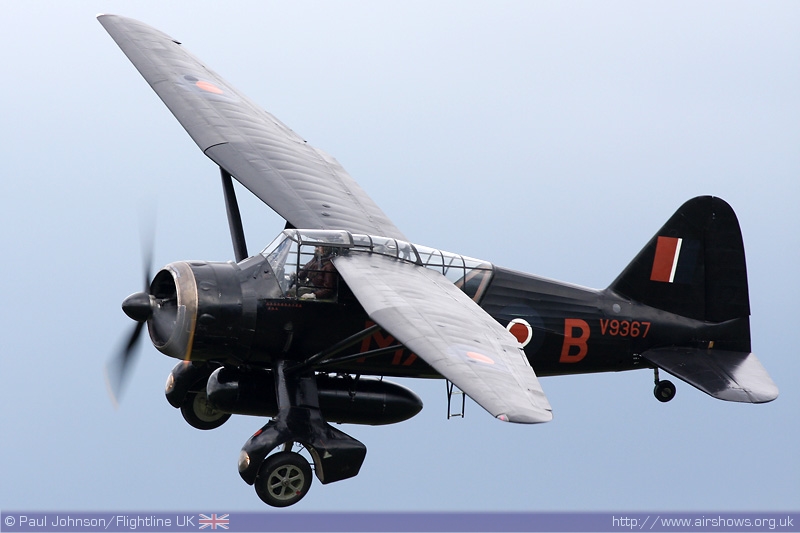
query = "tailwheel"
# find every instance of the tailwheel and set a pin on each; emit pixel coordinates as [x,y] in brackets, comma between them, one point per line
[200,414]
[664,390]
[283,479]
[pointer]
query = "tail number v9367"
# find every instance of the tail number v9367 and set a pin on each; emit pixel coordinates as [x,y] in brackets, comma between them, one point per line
[577,331]
[624,328]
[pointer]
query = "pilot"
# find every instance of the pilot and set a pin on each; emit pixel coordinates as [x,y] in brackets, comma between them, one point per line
[319,275]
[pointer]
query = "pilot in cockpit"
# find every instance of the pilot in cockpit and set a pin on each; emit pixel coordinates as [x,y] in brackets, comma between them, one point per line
[317,279]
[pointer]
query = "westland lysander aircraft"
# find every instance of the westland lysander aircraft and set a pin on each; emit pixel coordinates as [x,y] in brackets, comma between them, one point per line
[305,331]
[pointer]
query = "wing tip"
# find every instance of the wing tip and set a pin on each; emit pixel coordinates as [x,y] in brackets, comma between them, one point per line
[528,417]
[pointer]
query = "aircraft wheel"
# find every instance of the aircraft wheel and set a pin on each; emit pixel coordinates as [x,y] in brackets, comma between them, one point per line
[283,479]
[200,414]
[664,391]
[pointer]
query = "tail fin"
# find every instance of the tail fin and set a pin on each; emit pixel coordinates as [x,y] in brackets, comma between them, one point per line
[694,266]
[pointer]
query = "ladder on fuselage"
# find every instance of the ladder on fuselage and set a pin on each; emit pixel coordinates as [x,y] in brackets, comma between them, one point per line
[453,391]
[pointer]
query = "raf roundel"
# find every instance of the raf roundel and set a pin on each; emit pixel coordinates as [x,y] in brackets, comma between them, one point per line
[208,87]
[475,356]
[203,86]
[521,330]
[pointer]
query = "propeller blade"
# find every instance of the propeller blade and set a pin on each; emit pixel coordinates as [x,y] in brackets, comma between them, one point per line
[139,307]
[147,244]
[116,370]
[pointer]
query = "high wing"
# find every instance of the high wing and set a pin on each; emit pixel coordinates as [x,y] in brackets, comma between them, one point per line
[308,188]
[304,185]
[432,317]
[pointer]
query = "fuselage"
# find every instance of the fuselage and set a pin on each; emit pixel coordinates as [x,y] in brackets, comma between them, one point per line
[254,312]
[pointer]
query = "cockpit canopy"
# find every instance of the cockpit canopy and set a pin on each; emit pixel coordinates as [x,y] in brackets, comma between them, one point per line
[294,249]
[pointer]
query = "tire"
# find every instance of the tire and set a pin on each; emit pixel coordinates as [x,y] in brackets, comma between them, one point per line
[200,414]
[283,479]
[664,391]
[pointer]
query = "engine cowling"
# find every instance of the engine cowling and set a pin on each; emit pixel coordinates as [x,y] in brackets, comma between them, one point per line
[206,309]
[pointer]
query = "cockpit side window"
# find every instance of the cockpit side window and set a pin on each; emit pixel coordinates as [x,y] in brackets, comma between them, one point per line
[282,256]
[302,262]
[431,258]
[476,280]
[303,265]
[453,267]
[317,279]
[384,246]
[470,275]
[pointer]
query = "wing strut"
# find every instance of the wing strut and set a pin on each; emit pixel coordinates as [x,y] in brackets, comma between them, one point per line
[234,216]
[335,349]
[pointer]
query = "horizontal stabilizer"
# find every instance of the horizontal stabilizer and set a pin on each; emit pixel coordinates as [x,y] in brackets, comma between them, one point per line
[731,376]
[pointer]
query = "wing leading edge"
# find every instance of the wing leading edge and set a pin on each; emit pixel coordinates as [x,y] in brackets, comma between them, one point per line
[304,185]
[450,332]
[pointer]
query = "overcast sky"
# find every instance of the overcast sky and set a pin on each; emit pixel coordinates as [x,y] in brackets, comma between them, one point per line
[553,138]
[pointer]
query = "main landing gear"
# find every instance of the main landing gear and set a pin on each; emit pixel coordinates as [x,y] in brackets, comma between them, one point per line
[284,478]
[290,393]
[664,390]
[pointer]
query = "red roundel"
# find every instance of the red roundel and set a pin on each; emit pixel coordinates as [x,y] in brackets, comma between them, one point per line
[521,330]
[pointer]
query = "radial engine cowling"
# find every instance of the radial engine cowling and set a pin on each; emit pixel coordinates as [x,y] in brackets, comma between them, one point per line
[201,310]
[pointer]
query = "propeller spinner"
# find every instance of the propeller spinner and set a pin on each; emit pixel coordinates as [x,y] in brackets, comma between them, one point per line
[139,306]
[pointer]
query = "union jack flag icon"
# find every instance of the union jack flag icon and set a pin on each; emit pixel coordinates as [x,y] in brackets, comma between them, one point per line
[214,521]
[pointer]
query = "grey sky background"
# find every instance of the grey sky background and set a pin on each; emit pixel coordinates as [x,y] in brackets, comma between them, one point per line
[553,138]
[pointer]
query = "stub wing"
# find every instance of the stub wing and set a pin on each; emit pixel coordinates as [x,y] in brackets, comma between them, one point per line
[450,332]
[732,376]
[304,185]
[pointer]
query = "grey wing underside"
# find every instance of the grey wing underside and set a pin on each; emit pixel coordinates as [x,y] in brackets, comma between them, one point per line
[450,332]
[304,185]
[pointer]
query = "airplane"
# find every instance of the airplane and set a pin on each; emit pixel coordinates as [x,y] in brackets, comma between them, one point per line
[306,331]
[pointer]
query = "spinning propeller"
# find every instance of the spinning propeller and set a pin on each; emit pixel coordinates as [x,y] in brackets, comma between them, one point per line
[139,307]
